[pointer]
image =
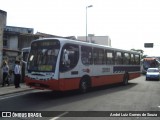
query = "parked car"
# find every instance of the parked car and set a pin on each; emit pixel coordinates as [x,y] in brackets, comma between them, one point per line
[153,73]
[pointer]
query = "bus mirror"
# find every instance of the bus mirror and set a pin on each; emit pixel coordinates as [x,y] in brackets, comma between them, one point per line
[31,58]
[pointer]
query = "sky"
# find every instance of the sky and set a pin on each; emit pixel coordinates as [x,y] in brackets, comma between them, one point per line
[129,23]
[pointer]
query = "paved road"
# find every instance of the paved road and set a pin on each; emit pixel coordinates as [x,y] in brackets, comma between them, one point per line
[139,95]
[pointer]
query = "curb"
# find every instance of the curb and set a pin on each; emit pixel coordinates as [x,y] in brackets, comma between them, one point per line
[9,93]
[10,90]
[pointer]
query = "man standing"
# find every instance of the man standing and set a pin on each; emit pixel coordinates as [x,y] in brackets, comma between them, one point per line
[5,69]
[17,74]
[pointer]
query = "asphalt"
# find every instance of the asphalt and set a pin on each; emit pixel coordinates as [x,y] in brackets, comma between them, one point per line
[11,89]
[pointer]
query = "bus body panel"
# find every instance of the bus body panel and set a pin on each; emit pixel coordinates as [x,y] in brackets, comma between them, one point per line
[106,80]
[134,75]
[73,83]
[41,84]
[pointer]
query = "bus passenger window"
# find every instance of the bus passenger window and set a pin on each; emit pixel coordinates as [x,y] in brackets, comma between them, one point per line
[118,58]
[86,55]
[69,57]
[137,59]
[98,55]
[132,59]
[126,59]
[109,57]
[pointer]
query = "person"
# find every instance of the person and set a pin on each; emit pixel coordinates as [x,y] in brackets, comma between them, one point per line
[17,74]
[5,69]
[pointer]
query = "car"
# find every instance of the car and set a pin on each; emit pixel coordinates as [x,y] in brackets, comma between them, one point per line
[153,73]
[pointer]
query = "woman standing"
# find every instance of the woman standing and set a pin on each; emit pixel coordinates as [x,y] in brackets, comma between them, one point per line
[17,74]
[5,70]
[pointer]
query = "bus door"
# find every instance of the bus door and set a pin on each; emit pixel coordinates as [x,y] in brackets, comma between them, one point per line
[68,62]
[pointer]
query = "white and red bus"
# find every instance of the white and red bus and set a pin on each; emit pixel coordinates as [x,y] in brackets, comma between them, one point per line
[61,64]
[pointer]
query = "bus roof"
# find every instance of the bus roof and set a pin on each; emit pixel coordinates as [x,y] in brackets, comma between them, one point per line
[64,40]
[149,59]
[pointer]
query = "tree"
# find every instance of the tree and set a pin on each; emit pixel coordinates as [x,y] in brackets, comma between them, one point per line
[140,51]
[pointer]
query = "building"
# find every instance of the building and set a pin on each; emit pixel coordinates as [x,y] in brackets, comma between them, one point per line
[3,16]
[103,40]
[16,38]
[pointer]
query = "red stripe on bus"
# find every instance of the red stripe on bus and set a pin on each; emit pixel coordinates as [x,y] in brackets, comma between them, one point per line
[73,83]
[105,80]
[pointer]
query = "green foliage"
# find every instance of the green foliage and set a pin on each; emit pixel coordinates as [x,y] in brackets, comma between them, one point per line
[140,51]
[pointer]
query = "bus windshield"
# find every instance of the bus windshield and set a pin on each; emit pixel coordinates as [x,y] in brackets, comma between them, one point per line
[43,55]
[150,63]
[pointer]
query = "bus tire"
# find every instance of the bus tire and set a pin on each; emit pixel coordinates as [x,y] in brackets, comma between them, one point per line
[83,85]
[125,79]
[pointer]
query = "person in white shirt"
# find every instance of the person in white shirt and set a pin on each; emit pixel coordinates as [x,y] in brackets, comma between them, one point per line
[5,70]
[17,74]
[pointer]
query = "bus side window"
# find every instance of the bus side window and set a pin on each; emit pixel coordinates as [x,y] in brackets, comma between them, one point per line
[132,59]
[86,55]
[126,59]
[109,57]
[69,57]
[118,58]
[98,55]
[137,59]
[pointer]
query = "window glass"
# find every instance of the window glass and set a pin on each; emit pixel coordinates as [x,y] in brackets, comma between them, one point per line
[98,55]
[5,40]
[43,55]
[132,59]
[69,57]
[137,59]
[86,55]
[126,59]
[118,58]
[109,57]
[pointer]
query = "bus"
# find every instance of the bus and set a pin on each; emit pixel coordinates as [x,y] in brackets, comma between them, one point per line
[60,64]
[149,62]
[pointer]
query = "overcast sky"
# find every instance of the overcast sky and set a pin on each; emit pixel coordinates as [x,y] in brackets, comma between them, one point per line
[129,23]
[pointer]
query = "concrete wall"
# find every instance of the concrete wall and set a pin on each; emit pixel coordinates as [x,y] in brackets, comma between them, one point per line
[3,16]
[13,42]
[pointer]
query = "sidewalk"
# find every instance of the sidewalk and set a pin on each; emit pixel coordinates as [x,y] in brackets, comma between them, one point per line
[11,89]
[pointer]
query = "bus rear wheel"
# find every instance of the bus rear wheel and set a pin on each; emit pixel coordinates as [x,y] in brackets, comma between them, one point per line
[125,79]
[83,86]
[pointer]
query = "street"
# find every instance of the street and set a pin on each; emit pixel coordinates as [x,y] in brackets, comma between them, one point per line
[138,95]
